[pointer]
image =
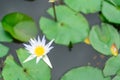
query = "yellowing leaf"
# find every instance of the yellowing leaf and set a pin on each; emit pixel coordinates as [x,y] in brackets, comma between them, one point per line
[114,50]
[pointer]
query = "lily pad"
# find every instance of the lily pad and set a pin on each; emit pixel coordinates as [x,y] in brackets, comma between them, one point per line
[20,26]
[102,38]
[0,75]
[70,26]
[111,12]
[84,6]
[115,2]
[4,36]
[112,66]
[116,77]
[84,73]
[119,38]
[28,71]
[3,50]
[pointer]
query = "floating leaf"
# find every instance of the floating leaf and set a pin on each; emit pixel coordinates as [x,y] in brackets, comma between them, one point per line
[102,38]
[20,26]
[116,77]
[3,50]
[112,66]
[84,6]
[119,38]
[84,73]
[4,37]
[70,27]
[0,76]
[115,2]
[111,12]
[29,71]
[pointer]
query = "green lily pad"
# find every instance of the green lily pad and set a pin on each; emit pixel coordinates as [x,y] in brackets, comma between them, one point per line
[70,27]
[0,75]
[115,2]
[119,38]
[29,71]
[116,77]
[3,50]
[111,12]
[102,38]
[112,66]
[84,73]
[20,26]
[4,37]
[84,6]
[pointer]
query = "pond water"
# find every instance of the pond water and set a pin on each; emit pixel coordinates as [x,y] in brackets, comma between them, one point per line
[61,58]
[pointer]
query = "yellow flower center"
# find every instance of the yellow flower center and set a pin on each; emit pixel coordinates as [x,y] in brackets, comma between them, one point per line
[39,51]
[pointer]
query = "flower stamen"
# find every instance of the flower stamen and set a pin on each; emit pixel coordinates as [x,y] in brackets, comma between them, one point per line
[39,51]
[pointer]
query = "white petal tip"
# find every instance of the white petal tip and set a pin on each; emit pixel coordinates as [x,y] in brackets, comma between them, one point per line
[51,67]
[24,61]
[47,61]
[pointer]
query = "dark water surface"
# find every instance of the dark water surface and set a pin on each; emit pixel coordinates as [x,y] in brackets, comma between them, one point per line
[61,58]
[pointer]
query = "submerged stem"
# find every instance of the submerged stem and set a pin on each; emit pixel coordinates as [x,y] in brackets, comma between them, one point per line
[54,11]
[1,64]
[70,46]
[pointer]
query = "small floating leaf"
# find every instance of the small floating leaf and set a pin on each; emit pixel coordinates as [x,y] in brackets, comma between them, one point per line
[3,50]
[4,37]
[84,73]
[85,6]
[112,66]
[20,26]
[103,38]
[71,27]
[29,71]
[111,12]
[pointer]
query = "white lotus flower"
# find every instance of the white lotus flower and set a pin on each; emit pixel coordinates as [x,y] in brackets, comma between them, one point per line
[37,48]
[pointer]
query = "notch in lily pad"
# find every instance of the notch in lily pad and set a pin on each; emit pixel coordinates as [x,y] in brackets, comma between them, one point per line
[4,36]
[70,26]
[105,39]
[21,26]
[3,50]
[84,73]
[84,6]
[28,71]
